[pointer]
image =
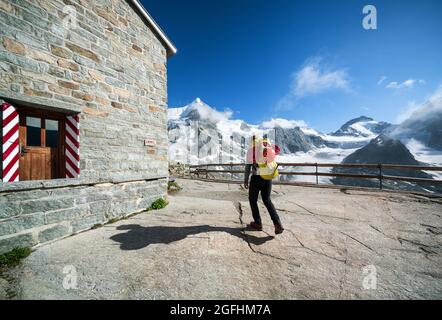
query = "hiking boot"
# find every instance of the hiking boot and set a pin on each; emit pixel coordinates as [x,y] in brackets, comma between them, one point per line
[255,226]
[278,229]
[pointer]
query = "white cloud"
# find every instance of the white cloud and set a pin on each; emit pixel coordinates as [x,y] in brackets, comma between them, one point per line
[213,115]
[286,102]
[382,79]
[283,123]
[204,110]
[431,108]
[409,83]
[314,78]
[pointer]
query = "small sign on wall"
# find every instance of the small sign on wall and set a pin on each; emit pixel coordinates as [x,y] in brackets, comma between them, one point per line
[150,142]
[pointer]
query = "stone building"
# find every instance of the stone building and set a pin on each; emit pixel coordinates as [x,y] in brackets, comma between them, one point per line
[83,94]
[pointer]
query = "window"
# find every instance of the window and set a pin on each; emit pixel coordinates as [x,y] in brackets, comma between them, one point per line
[33,129]
[52,133]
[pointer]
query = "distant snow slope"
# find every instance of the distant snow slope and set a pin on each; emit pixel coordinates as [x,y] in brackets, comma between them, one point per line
[362,127]
[427,155]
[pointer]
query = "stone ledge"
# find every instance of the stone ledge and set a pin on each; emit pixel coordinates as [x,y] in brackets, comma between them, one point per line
[17,240]
[63,183]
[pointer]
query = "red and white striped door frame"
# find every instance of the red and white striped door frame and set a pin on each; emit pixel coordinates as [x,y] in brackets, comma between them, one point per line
[10,143]
[10,151]
[72,146]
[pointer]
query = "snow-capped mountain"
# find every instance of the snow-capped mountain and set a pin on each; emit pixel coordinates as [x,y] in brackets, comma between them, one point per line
[385,150]
[222,138]
[362,127]
[199,133]
[197,110]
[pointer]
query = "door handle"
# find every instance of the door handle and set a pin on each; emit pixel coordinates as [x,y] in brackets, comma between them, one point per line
[23,150]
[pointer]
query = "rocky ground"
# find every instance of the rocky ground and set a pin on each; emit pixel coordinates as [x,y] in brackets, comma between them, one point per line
[338,244]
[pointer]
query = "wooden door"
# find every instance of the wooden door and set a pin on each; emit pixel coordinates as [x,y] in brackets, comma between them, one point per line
[41,145]
[37,163]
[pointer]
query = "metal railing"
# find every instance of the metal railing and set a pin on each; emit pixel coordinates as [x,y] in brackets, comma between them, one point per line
[204,170]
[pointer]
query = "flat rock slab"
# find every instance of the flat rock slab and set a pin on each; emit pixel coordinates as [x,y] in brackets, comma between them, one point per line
[338,244]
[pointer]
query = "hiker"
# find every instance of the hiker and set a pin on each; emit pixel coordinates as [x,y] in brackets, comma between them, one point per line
[260,162]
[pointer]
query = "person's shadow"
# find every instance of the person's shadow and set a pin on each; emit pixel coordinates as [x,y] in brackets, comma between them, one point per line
[138,237]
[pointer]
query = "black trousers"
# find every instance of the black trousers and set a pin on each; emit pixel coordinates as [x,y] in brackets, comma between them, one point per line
[257,184]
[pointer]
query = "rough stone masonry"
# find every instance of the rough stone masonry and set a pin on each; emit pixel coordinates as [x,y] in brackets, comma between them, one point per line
[104,61]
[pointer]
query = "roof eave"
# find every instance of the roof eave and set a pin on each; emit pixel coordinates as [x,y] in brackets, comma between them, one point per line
[170,47]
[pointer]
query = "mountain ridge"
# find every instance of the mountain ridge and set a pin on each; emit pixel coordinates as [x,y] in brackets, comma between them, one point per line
[384,150]
[295,138]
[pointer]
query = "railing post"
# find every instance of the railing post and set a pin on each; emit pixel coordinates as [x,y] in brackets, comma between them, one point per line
[380,176]
[316,165]
[243,149]
[231,169]
[198,141]
[220,142]
[188,146]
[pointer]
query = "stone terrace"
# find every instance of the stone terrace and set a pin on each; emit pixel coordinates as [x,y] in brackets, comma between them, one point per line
[198,248]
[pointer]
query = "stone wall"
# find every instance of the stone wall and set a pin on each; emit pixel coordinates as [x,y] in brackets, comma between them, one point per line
[40,214]
[101,60]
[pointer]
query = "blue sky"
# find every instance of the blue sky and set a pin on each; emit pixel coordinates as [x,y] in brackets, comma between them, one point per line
[303,60]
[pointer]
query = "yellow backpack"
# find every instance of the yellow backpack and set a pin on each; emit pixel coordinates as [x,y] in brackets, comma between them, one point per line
[268,170]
